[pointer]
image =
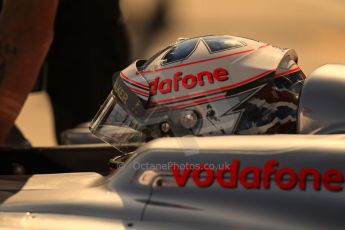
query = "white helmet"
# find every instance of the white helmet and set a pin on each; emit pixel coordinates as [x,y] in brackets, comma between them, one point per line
[209,85]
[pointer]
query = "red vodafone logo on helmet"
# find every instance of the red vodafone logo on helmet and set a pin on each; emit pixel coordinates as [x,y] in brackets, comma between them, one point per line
[187,81]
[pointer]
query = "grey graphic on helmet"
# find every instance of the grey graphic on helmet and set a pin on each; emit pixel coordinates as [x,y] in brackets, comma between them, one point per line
[209,85]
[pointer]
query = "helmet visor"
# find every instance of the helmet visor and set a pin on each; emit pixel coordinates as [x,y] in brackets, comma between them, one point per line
[118,120]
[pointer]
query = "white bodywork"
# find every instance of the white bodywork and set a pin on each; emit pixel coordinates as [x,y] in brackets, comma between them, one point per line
[321,107]
[133,198]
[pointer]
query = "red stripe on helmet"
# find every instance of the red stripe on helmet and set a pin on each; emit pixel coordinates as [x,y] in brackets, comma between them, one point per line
[194,62]
[133,81]
[143,93]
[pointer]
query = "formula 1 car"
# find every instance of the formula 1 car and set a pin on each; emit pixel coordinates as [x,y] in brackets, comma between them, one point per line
[242,182]
[144,195]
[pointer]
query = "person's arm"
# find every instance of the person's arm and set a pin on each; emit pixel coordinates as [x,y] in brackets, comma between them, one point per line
[26,32]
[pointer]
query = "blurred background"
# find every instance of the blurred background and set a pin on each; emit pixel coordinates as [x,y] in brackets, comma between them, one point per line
[315,29]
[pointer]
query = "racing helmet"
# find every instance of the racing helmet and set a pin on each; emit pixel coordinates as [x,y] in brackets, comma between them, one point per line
[208,85]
